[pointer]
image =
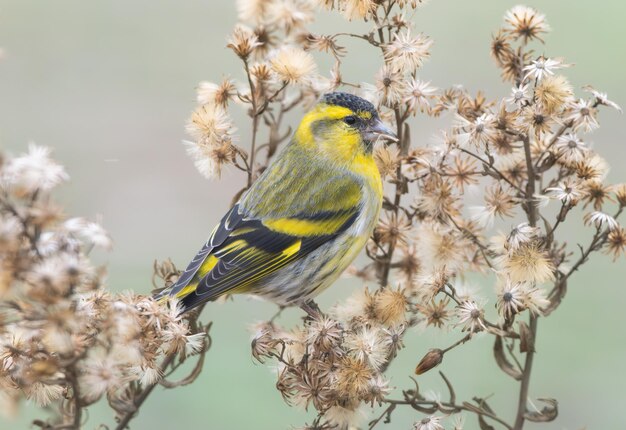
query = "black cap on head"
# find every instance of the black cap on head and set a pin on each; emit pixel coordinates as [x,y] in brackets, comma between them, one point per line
[350,101]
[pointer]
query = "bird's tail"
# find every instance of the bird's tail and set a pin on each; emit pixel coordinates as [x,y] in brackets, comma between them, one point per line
[184,300]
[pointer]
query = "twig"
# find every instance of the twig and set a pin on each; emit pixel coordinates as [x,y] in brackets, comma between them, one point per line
[386,413]
[367,37]
[76,393]
[255,122]
[525,384]
[492,167]
[481,247]
[553,140]
[439,406]
[459,342]
[531,208]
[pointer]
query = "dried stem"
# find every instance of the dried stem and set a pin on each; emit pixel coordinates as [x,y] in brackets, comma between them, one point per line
[531,207]
[255,123]
[525,383]
[447,408]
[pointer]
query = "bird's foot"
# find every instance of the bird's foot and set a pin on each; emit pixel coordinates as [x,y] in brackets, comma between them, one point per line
[312,309]
[277,314]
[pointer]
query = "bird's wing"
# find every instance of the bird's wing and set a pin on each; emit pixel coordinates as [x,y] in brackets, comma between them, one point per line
[219,234]
[244,248]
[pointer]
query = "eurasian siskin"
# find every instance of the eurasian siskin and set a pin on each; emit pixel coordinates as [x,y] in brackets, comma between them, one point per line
[304,220]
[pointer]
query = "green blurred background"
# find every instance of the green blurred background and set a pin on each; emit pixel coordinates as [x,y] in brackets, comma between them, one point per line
[109,85]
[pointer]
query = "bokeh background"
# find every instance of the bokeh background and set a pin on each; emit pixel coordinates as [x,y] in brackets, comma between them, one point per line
[109,85]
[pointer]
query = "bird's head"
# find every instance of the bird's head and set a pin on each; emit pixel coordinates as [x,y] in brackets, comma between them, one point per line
[342,126]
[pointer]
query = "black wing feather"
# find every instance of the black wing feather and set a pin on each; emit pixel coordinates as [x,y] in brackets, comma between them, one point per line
[235,270]
[229,222]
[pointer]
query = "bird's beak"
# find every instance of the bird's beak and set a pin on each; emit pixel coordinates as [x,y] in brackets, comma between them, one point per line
[377,130]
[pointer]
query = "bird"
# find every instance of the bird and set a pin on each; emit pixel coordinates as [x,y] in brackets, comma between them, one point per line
[305,218]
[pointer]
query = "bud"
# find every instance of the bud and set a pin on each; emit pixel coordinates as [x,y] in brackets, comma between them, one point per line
[432,359]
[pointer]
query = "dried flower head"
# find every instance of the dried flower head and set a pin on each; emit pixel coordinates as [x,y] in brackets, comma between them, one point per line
[498,203]
[501,49]
[525,22]
[357,9]
[597,193]
[592,167]
[261,73]
[438,199]
[441,246]
[252,10]
[243,41]
[324,333]
[432,422]
[583,115]
[418,95]
[32,172]
[511,298]
[519,95]
[387,159]
[263,343]
[344,415]
[408,53]
[568,192]
[378,390]
[390,86]
[534,120]
[367,345]
[602,98]
[353,377]
[616,242]
[293,65]
[620,194]
[210,124]
[290,15]
[478,132]
[535,300]
[541,68]
[471,316]
[324,43]
[390,306]
[89,231]
[601,220]
[554,92]
[463,172]
[393,228]
[357,309]
[528,263]
[436,312]
[521,235]
[571,149]
[220,95]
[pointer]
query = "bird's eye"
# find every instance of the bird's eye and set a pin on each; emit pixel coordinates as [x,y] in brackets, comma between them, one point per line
[350,120]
